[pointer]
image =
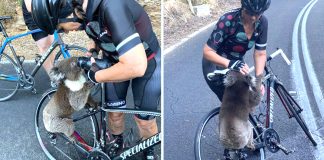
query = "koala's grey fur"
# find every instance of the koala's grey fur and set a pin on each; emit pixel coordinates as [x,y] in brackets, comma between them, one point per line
[72,95]
[242,94]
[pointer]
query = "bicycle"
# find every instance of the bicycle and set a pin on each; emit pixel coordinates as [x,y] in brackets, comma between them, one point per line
[265,137]
[93,139]
[12,73]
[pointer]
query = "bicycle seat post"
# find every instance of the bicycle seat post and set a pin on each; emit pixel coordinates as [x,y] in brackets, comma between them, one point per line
[3,30]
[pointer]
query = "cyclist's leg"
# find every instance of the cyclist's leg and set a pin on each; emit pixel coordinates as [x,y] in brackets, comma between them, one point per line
[43,44]
[216,84]
[147,92]
[42,39]
[116,98]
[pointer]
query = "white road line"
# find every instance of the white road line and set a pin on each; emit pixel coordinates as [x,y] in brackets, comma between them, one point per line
[318,94]
[297,74]
[300,85]
[168,50]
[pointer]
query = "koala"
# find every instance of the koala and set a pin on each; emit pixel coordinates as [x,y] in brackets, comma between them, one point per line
[72,95]
[242,94]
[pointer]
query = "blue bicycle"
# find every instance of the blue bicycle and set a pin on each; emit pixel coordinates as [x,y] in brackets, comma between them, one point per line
[12,74]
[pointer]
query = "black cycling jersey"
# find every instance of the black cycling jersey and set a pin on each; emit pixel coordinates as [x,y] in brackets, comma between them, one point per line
[124,23]
[229,39]
[117,26]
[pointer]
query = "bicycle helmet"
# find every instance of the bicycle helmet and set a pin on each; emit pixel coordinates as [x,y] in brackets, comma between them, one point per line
[46,13]
[256,6]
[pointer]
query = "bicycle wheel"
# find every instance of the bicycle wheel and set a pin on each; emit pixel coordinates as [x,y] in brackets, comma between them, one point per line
[72,51]
[295,110]
[207,144]
[57,145]
[9,77]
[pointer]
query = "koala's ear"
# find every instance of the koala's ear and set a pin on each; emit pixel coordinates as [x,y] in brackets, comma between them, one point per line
[56,76]
[230,79]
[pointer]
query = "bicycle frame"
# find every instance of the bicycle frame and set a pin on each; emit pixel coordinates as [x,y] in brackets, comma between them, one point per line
[57,42]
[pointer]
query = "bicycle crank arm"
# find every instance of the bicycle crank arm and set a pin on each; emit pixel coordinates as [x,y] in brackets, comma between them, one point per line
[285,150]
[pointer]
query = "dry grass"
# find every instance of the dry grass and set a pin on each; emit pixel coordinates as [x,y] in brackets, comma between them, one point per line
[8,7]
[179,22]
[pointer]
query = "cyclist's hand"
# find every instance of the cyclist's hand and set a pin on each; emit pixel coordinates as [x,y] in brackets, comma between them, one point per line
[245,69]
[239,66]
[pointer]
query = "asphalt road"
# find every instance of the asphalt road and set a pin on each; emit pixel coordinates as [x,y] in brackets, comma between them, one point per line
[188,98]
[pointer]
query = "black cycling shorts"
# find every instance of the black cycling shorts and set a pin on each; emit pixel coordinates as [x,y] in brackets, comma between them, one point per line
[216,84]
[31,25]
[146,89]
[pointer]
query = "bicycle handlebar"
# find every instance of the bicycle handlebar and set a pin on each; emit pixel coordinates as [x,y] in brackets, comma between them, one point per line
[274,54]
[269,58]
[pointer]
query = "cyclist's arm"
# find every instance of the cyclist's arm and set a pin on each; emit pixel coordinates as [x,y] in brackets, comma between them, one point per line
[260,57]
[131,64]
[132,57]
[212,56]
[215,40]
[28,5]
[260,54]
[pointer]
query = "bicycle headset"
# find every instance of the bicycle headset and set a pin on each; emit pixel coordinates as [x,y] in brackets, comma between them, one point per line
[255,7]
[47,14]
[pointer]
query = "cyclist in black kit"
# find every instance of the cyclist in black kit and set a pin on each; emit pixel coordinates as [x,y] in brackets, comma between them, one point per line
[43,40]
[235,33]
[123,31]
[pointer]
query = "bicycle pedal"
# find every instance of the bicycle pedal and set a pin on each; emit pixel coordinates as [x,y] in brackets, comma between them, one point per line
[285,150]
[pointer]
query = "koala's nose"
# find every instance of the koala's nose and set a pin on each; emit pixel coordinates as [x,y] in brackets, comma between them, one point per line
[84,62]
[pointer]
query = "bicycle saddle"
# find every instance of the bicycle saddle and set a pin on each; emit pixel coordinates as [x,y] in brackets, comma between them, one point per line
[5,17]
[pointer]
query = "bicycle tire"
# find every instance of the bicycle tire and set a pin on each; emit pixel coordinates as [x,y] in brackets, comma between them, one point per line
[87,128]
[8,88]
[199,135]
[74,51]
[291,106]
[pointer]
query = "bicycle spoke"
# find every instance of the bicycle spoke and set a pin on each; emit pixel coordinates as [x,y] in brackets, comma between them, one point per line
[9,81]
